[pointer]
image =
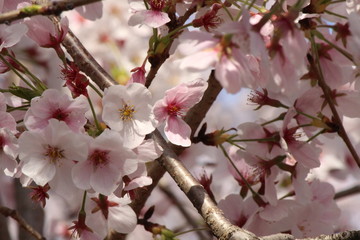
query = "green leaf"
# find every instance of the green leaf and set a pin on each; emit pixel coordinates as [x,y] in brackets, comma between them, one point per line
[24,93]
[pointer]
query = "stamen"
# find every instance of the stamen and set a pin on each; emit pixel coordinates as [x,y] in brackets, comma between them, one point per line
[99,158]
[173,110]
[127,112]
[54,154]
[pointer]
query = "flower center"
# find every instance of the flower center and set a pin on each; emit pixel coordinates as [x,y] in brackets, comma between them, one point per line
[127,112]
[173,110]
[54,154]
[59,114]
[157,5]
[99,158]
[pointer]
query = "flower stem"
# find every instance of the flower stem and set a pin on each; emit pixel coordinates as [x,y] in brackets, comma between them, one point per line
[17,73]
[94,115]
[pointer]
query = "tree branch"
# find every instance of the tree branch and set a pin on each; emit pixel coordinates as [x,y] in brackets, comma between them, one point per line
[347,192]
[7,212]
[157,61]
[48,8]
[213,216]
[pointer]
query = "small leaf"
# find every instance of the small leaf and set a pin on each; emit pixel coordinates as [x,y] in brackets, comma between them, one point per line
[24,93]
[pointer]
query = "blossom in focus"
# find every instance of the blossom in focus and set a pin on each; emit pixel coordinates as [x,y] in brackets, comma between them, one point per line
[105,165]
[174,105]
[126,109]
[48,153]
[54,104]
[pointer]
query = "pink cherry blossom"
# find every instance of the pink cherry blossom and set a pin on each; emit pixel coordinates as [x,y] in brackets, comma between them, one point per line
[110,213]
[54,104]
[49,153]
[174,105]
[238,55]
[11,35]
[138,75]
[127,110]
[105,165]
[153,18]
[305,153]
[45,33]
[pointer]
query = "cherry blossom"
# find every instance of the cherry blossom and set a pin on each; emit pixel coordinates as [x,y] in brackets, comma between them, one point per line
[45,33]
[50,152]
[110,213]
[11,35]
[127,110]
[105,165]
[174,105]
[264,165]
[54,104]
[138,75]
[305,153]
[153,18]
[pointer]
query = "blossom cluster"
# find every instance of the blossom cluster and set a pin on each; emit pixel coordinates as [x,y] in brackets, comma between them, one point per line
[295,62]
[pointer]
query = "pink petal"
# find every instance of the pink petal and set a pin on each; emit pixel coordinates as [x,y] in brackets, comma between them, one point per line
[104,179]
[81,173]
[155,19]
[178,132]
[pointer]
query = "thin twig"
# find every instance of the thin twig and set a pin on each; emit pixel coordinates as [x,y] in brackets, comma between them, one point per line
[50,8]
[328,97]
[7,212]
[157,61]
[348,192]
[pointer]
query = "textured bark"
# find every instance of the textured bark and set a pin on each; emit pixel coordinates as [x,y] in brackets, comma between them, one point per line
[52,8]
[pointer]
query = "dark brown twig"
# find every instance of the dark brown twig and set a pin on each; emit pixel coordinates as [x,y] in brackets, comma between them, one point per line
[348,192]
[7,212]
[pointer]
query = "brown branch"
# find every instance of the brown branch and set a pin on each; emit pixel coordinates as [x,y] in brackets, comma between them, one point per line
[85,61]
[157,60]
[347,235]
[194,117]
[48,8]
[347,192]
[7,212]
[212,215]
